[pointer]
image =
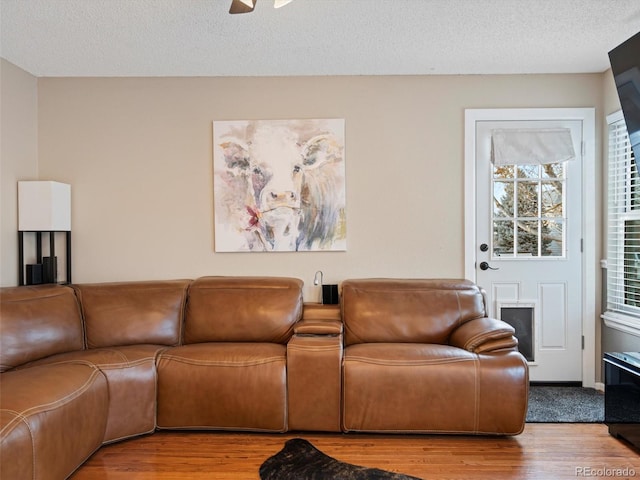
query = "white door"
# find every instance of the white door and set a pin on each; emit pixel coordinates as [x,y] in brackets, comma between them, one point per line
[528,242]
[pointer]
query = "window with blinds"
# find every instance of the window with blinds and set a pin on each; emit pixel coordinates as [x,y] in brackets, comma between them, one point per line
[623,231]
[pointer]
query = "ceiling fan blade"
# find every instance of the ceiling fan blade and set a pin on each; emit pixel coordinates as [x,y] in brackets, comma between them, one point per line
[242,6]
[280,3]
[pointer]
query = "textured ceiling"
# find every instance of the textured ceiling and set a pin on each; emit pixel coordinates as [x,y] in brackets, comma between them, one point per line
[313,37]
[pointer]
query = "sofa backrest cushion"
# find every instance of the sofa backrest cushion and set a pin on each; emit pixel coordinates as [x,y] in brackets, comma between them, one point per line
[130,313]
[407,310]
[36,322]
[242,309]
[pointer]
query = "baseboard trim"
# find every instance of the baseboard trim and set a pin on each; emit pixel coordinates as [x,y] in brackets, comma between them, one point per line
[599,386]
[555,384]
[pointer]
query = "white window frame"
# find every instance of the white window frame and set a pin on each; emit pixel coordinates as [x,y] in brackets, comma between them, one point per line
[618,314]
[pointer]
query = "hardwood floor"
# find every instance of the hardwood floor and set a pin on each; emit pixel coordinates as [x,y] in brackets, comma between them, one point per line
[542,451]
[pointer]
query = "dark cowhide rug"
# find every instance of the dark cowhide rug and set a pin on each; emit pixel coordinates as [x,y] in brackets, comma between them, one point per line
[299,460]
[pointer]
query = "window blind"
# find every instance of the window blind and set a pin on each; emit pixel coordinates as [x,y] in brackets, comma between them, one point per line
[623,229]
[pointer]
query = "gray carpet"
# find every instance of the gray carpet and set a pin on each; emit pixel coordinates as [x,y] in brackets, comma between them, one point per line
[550,404]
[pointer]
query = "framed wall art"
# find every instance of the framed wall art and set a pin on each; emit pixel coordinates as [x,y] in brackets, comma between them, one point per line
[279,185]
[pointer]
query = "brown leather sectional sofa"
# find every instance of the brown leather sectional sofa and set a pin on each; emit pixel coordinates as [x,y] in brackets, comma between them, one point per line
[86,365]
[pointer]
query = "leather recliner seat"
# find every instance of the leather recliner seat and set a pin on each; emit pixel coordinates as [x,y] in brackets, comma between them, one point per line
[421,356]
[231,371]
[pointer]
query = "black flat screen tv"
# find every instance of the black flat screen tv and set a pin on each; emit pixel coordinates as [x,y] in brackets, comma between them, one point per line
[625,65]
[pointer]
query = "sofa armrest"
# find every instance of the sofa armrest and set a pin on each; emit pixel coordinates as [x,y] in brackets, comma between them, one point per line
[318,327]
[318,319]
[483,335]
[314,370]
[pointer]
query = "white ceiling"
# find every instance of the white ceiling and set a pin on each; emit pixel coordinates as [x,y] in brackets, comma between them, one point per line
[313,37]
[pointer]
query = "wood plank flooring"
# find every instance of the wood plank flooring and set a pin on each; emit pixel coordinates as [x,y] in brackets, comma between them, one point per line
[542,451]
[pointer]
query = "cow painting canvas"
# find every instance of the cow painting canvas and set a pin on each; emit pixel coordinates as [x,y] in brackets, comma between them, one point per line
[279,185]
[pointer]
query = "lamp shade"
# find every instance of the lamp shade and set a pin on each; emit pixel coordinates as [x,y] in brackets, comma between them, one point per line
[44,206]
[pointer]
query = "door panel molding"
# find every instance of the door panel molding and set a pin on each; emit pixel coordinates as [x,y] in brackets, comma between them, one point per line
[552,300]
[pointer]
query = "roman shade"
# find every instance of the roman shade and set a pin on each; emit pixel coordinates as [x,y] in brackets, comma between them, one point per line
[531,146]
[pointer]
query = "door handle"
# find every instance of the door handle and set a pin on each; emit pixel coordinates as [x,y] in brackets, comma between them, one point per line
[486,266]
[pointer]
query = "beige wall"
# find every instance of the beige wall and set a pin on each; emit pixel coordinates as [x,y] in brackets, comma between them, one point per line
[610,101]
[18,157]
[138,155]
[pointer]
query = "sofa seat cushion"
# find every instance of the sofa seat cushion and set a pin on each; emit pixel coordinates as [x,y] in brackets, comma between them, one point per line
[239,386]
[407,353]
[53,418]
[420,388]
[131,378]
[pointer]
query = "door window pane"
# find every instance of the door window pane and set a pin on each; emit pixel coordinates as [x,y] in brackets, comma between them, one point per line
[528,171]
[551,199]
[503,171]
[552,236]
[503,199]
[553,170]
[528,238]
[527,199]
[503,238]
